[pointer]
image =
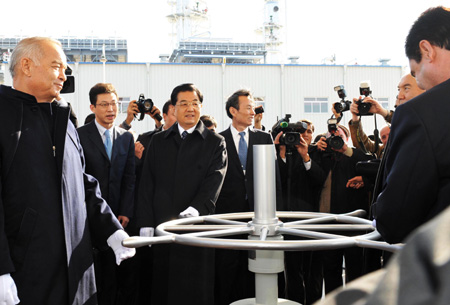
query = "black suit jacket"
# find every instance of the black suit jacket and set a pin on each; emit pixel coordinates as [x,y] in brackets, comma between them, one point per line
[116,176]
[238,186]
[416,183]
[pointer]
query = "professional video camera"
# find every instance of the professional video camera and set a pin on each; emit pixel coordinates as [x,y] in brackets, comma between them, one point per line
[333,141]
[368,168]
[145,106]
[364,89]
[343,105]
[291,131]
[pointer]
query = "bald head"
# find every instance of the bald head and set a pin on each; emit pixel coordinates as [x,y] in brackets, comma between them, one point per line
[384,134]
[407,89]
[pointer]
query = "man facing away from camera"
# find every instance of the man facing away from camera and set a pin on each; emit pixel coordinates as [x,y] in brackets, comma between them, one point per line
[51,212]
[416,180]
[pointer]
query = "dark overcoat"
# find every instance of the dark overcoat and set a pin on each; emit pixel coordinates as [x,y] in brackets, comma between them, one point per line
[416,167]
[50,210]
[177,174]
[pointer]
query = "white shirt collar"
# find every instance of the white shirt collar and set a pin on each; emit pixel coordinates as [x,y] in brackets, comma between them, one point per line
[181,129]
[102,130]
[237,137]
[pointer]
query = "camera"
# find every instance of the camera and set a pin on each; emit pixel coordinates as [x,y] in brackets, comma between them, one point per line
[291,131]
[259,110]
[145,106]
[333,141]
[69,84]
[368,168]
[364,89]
[343,105]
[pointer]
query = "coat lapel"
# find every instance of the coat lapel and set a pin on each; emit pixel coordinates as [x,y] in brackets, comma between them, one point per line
[233,156]
[96,139]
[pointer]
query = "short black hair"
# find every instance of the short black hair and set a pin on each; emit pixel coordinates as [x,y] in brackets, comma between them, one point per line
[233,100]
[432,25]
[89,118]
[208,121]
[183,88]
[166,106]
[101,88]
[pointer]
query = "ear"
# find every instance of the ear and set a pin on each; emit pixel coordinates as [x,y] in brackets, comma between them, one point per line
[427,50]
[92,107]
[233,111]
[26,66]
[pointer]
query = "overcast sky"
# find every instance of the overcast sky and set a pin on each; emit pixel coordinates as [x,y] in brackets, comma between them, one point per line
[356,31]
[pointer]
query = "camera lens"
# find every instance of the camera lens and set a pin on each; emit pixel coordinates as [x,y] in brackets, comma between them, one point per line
[148,105]
[336,142]
[290,138]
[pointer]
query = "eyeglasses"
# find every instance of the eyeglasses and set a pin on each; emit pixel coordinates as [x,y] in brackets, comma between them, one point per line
[106,105]
[184,105]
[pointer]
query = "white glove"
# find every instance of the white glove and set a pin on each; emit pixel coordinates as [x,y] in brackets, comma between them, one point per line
[189,212]
[8,290]
[147,232]
[121,252]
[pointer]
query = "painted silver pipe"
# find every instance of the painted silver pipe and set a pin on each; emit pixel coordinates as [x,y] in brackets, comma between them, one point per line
[264,184]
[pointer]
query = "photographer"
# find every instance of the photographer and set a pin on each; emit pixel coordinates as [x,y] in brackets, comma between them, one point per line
[359,138]
[338,163]
[133,110]
[259,110]
[302,177]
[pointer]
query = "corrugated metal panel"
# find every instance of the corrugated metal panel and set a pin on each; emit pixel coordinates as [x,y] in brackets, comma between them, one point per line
[283,87]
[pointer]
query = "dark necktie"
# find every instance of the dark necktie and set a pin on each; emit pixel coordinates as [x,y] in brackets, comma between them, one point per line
[184,135]
[108,143]
[243,150]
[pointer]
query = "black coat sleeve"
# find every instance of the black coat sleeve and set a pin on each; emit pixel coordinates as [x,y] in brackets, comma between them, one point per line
[209,191]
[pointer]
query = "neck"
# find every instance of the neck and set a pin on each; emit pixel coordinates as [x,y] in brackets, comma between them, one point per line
[239,127]
[19,86]
[186,127]
[107,126]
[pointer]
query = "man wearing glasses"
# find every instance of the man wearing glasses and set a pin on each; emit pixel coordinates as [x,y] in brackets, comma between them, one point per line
[109,153]
[182,176]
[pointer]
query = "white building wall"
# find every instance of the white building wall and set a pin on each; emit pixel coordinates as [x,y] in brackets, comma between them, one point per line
[283,87]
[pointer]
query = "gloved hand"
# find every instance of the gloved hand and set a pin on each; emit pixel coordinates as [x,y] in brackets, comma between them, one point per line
[147,232]
[121,252]
[189,212]
[8,290]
